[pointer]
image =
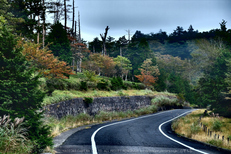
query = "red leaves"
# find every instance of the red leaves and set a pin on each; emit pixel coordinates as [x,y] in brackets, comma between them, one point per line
[146,79]
[44,60]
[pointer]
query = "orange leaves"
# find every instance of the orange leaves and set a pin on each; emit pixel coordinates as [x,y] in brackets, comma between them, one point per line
[149,73]
[44,60]
[100,64]
[146,79]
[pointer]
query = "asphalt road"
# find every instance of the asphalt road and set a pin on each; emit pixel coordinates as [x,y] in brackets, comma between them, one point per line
[145,135]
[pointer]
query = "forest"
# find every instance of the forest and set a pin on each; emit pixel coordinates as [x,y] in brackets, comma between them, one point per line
[194,65]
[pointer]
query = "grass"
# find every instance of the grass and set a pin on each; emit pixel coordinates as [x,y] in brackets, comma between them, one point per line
[63,95]
[69,122]
[13,137]
[188,126]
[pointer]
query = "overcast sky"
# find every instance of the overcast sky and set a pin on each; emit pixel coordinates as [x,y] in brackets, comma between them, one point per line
[149,16]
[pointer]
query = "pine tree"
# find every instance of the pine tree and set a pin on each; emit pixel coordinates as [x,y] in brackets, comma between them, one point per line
[60,44]
[19,94]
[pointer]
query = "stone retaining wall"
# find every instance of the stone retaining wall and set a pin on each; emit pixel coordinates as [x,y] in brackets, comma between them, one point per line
[78,105]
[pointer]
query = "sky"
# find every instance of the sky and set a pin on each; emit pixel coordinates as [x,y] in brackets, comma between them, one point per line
[149,16]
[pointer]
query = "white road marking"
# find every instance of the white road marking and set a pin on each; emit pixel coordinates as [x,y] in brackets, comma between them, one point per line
[93,144]
[176,140]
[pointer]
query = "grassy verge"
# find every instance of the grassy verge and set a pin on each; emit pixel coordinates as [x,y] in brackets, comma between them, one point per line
[69,122]
[189,126]
[60,125]
[63,95]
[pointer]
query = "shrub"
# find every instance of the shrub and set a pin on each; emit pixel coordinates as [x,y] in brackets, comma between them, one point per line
[88,100]
[83,86]
[13,136]
[194,128]
[58,84]
[140,86]
[117,83]
[129,84]
[164,101]
[103,85]
[217,143]
[92,85]
[217,124]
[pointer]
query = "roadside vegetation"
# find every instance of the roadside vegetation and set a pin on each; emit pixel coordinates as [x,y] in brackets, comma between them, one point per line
[39,68]
[190,127]
[160,102]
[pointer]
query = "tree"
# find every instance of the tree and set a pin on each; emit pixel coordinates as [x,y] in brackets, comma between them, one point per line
[79,51]
[124,64]
[149,73]
[19,93]
[43,59]
[60,46]
[103,37]
[137,52]
[122,42]
[96,45]
[100,64]
[212,84]
[31,12]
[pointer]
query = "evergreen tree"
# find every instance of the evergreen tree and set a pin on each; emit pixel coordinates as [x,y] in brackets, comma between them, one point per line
[60,44]
[19,94]
[212,84]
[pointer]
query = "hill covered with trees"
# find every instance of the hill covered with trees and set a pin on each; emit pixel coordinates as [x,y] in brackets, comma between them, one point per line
[194,65]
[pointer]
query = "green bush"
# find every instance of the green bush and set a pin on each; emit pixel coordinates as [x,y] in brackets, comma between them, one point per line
[88,100]
[194,128]
[140,86]
[92,85]
[129,84]
[117,83]
[217,143]
[164,101]
[103,85]
[58,84]
[217,124]
[83,86]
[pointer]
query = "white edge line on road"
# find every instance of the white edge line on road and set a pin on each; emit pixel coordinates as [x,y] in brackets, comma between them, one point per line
[176,140]
[93,144]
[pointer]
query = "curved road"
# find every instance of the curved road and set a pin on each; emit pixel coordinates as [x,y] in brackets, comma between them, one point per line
[146,135]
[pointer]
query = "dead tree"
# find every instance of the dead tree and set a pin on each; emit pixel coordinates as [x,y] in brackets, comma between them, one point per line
[104,40]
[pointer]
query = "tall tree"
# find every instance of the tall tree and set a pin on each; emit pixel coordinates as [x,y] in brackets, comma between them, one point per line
[149,73]
[19,93]
[60,43]
[103,37]
[124,64]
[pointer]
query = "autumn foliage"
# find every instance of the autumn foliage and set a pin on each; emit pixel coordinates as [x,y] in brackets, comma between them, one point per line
[146,79]
[149,73]
[48,65]
[101,64]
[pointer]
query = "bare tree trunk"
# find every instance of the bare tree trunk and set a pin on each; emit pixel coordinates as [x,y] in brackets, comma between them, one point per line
[73,63]
[79,27]
[128,35]
[80,64]
[93,49]
[73,17]
[120,51]
[104,40]
[44,32]
[65,15]
[38,30]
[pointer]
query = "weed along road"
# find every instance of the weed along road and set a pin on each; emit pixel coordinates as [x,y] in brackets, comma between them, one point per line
[144,135]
